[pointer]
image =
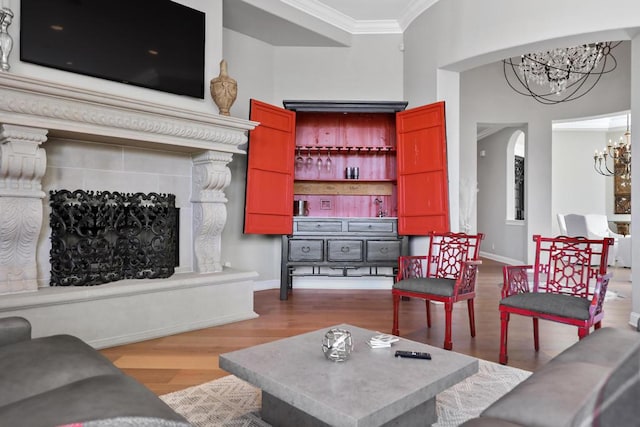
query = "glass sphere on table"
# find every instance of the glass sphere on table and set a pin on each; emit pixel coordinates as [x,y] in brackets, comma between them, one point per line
[337,344]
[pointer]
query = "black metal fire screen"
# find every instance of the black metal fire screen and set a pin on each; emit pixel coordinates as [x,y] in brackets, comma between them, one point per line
[100,237]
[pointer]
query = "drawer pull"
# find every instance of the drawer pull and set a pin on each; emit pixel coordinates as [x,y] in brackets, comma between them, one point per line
[384,250]
[305,249]
[344,249]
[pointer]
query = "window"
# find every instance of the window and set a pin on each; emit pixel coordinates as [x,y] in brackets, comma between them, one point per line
[518,194]
[515,177]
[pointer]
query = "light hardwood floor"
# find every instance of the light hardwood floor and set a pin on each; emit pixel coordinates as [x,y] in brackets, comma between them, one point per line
[179,361]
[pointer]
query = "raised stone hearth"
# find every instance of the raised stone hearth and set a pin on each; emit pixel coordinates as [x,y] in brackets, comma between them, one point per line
[42,126]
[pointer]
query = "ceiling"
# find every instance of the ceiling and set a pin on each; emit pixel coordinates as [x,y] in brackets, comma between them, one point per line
[316,23]
[319,22]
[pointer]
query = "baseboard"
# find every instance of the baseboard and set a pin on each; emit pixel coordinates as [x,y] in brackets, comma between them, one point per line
[264,285]
[502,259]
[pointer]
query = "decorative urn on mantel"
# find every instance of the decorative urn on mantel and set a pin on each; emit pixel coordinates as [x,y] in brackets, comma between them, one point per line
[223,89]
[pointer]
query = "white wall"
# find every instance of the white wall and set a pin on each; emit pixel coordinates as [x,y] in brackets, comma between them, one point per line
[251,63]
[577,188]
[370,69]
[504,241]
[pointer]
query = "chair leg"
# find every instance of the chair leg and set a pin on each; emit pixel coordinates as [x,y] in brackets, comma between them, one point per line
[583,332]
[396,304]
[448,310]
[536,339]
[504,327]
[428,308]
[472,318]
[597,325]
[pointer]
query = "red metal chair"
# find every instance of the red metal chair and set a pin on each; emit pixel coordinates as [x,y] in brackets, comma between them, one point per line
[447,274]
[567,284]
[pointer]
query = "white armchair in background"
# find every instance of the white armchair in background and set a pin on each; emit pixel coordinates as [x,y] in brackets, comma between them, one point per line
[596,226]
[624,252]
[576,225]
[562,224]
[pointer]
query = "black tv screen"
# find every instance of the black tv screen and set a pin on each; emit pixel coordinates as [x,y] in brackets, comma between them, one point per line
[156,44]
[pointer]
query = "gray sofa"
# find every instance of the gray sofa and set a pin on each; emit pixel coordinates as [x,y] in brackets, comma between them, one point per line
[59,380]
[595,382]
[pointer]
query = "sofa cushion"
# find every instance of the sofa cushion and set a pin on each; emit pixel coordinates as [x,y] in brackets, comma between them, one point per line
[36,366]
[427,285]
[604,347]
[560,394]
[619,396]
[550,303]
[101,397]
[488,422]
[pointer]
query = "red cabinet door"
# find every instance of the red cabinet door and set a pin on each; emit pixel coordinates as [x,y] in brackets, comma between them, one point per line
[423,190]
[269,192]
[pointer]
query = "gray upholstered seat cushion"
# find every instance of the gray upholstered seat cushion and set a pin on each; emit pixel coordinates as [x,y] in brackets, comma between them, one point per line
[97,398]
[560,394]
[434,286]
[549,303]
[42,364]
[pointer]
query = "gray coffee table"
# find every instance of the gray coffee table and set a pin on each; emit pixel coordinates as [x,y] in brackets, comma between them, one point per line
[300,387]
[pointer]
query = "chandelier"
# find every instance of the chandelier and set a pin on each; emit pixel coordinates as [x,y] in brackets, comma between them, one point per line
[620,155]
[562,74]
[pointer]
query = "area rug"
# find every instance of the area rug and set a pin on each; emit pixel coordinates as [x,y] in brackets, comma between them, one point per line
[229,401]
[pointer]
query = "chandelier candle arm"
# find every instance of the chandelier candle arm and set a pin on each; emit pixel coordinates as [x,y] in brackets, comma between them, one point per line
[620,155]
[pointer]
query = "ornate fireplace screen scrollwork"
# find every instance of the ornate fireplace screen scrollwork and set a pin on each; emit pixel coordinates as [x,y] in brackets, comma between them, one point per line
[107,236]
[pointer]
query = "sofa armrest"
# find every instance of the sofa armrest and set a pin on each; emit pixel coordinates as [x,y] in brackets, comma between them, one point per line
[14,329]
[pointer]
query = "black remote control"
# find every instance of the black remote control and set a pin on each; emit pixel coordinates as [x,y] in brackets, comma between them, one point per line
[413,354]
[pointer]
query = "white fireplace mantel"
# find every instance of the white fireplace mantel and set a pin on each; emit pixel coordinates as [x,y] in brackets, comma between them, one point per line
[65,110]
[33,110]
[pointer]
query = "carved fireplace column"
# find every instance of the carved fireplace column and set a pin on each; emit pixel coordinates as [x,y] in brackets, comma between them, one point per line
[210,177]
[22,166]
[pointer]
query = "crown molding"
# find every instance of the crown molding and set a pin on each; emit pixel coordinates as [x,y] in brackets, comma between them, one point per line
[415,9]
[324,13]
[382,26]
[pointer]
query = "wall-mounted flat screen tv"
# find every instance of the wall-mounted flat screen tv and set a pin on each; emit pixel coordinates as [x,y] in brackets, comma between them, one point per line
[156,44]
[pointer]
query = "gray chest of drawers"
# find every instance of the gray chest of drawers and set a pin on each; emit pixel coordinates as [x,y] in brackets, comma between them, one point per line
[351,247]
